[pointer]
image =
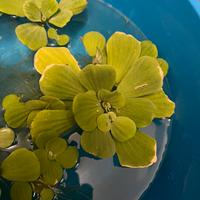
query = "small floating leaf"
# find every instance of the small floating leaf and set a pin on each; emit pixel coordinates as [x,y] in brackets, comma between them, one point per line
[43,138]
[52,33]
[32,35]
[144,78]
[93,41]
[54,55]
[53,103]
[21,165]
[122,52]
[68,158]
[60,81]
[76,6]
[104,122]
[10,100]
[21,191]
[87,108]
[63,39]
[46,194]
[148,49]
[123,128]
[98,143]
[31,117]
[92,75]
[163,65]
[35,105]
[7,137]
[48,8]
[138,152]
[55,146]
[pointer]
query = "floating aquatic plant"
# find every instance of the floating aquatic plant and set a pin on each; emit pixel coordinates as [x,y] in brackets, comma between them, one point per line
[42,14]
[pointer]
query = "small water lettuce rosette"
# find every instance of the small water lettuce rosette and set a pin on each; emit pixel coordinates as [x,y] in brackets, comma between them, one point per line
[42,14]
[112,98]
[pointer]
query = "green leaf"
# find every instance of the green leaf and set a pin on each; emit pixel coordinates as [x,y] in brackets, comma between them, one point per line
[10,100]
[60,81]
[53,122]
[47,194]
[21,190]
[35,105]
[148,49]
[76,6]
[48,8]
[16,8]
[31,117]
[122,52]
[32,35]
[54,55]
[163,65]
[68,158]
[164,106]
[42,139]
[98,143]
[115,98]
[53,103]
[52,33]
[87,108]
[140,110]
[96,77]
[55,147]
[21,165]
[104,122]
[93,41]
[31,11]
[138,152]
[7,137]
[123,128]
[61,18]
[144,78]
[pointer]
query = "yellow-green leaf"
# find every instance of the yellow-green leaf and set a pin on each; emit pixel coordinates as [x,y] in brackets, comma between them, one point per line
[42,139]
[122,52]
[7,137]
[68,158]
[163,65]
[148,49]
[21,191]
[35,105]
[60,81]
[98,143]
[46,194]
[138,152]
[12,8]
[48,8]
[104,122]
[21,165]
[53,103]
[54,55]
[93,41]
[9,100]
[164,106]
[87,108]
[96,77]
[32,35]
[144,78]
[31,117]
[123,128]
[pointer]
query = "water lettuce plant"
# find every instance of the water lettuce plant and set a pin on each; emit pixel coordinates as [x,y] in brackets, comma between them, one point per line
[42,14]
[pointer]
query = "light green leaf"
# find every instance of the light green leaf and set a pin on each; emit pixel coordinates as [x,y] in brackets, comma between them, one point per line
[164,106]
[163,65]
[16,8]
[7,137]
[31,11]
[31,117]
[104,122]
[54,122]
[68,158]
[123,128]
[53,103]
[9,100]
[140,110]
[52,33]
[21,191]
[115,98]
[138,152]
[148,49]
[98,143]
[96,77]
[42,139]
[47,194]
[55,147]
[60,81]
[21,165]
[35,105]
[87,108]
[93,41]
[76,6]
[63,40]
[61,18]
[144,78]
[54,55]
[122,52]
[32,35]
[48,8]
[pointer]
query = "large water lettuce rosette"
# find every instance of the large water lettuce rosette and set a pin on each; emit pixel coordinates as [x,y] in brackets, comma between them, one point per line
[110,99]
